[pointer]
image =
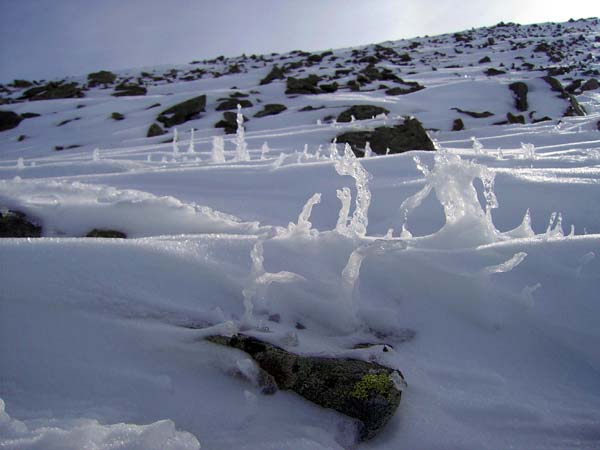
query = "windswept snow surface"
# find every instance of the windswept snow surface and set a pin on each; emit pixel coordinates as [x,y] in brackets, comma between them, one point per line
[478,265]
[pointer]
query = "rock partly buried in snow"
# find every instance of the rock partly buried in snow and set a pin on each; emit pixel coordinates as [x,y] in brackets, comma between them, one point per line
[271,109]
[101,77]
[574,108]
[520,91]
[590,85]
[182,112]
[409,135]
[102,233]
[9,120]
[306,85]
[14,224]
[232,103]
[474,114]
[276,73]
[365,391]
[361,112]
[155,130]
[129,90]
[458,125]
[229,122]
[53,90]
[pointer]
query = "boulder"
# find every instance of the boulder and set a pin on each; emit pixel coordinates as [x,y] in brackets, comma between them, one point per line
[306,85]
[103,233]
[458,125]
[14,224]
[474,114]
[361,112]
[53,90]
[182,112]
[155,130]
[590,85]
[512,118]
[9,120]
[102,77]
[574,108]
[365,391]
[129,90]
[232,103]
[271,110]
[329,88]
[491,72]
[409,135]
[519,90]
[117,116]
[276,73]
[485,59]
[229,122]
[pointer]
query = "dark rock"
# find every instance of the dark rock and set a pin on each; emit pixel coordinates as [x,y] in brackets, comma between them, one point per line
[155,130]
[9,120]
[413,87]
[353,85]
[306,85]
[491,72]
[572,87]
[271,109]
[598,125]
[574,109]
[154,105]
[365,391]
[182,112]
[520,91]
[475,115]
[229,122]
[129,90]
[458,125]
[102,77]
[64,122]
[276,73]
[542,119]
[590,85]
[515,118]
[100,233]
[232,103]
[14,224]
[409,135]
[20,84]
[117,116]
[329,88]
[58,148]
[555,84]
[485,59]
[21,138]
[311,108]
[361,112]
[53,91]
[29,115]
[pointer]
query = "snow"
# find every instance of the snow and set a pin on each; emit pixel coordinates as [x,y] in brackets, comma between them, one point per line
[475,264]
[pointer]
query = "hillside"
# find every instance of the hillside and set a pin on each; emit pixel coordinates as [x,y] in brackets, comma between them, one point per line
[459,247]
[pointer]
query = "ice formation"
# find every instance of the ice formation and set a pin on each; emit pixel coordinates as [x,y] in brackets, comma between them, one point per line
[507,265]
[175,142]
[96,154]
[368,150]
[350,165]
[241,147]
[477,146]
[345,197]
[264,150]
[218,150]
[528,151]
[333,152]
[20,163]
[191,146]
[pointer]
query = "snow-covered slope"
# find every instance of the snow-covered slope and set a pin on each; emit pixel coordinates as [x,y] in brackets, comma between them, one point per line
[476,263]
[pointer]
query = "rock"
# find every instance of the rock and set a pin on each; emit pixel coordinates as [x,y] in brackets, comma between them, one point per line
[361,112]
[129,90]
[53,90]
[229,122]
[29,115]
[574,109]
[555,84]
[306,85]
[475,115]
[590,85]
[515,118]
[275,74]
[155,130]
[491,72]
[329,88]
[458,125]
[20,84]
[485,59]
[232,103]
[598,125]
[9,120]
[365,391]
[14,224]
[182,112]
[100,233]
[271,110]
[117,116]
[311,108]
[413,87]
[520,91]
[572,87]
[102,77]
[409,135]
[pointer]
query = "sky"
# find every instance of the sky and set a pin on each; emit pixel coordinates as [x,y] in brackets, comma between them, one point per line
[53,38]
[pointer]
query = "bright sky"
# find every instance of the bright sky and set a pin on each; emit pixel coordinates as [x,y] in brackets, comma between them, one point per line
[52,38]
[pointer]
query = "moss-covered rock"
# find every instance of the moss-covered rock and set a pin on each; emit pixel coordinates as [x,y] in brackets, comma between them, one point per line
[409,135]
[155,130]
[365,391]
[276,73]
[306,85]
[232,103]
[182,112]
[53,90]
[590,85]
[271,109]
[128,90]
[117,116]
[101,77]
[103,233]
[361,112]
[512,118]
[14,224]
[520,90]
[9,120]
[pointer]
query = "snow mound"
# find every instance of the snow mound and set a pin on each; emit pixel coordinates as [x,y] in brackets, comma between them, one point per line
[89,434]
[67,208]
